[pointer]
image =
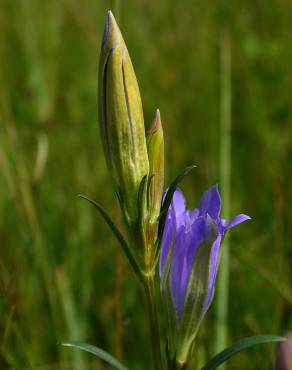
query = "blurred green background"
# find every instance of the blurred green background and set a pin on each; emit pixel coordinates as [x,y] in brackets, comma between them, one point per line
[62,276]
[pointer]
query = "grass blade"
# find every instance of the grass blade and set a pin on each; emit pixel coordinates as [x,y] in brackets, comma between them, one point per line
[98,352]
[238,347]
[118,235]
[222,299]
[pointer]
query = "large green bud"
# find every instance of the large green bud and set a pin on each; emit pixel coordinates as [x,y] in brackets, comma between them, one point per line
[121,119]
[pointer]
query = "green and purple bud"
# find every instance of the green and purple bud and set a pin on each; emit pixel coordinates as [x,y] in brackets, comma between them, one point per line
[121,119]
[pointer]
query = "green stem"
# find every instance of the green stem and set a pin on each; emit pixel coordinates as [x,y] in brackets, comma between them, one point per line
[154,327]
[173,365]
[225,176]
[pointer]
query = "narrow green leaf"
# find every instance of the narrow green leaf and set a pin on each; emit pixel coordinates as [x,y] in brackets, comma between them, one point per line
[98,352]
[239,346]
[168,198]
[118,235]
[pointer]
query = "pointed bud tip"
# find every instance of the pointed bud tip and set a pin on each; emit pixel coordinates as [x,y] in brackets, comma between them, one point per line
[156,123]
[157,115]
[110,17]
[110,24]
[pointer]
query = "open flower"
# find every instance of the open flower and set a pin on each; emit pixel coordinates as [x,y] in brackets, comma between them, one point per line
[188,265]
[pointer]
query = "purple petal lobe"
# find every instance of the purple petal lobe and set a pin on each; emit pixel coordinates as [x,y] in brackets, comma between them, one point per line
[211,202]
[167,240]
[214,257]
[236,221]
[178,272]
[174,219]
[178,203]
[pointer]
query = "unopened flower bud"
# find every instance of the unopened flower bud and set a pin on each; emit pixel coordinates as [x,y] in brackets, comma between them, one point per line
[155,146]
[121,118]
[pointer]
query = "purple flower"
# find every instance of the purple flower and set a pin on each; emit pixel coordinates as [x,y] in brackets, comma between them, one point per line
[189,260]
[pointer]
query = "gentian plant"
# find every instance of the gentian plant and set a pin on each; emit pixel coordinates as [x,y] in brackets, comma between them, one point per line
[161,233]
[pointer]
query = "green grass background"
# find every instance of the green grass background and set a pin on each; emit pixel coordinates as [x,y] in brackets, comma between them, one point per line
[61,275]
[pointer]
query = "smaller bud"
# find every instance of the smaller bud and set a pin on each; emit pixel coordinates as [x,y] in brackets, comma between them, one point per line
[284,354]
[155,146]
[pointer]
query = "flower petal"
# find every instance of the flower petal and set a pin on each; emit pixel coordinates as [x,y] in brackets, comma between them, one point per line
[211,202]
[167,240]
[174,220]
[178,272]
[214,258]
[178,205]
[236,221]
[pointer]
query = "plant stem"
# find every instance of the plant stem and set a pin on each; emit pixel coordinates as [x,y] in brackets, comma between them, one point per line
[154,327]
[73,323]
[118,294]
[173,365]
[225,174]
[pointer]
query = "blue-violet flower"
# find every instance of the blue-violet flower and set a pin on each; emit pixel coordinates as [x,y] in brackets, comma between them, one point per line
[189,260]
